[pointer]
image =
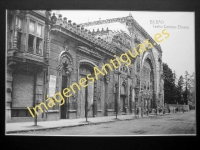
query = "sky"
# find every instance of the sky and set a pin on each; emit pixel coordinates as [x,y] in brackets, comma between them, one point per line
[178,49]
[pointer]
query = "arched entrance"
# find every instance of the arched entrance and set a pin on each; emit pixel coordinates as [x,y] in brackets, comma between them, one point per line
[148,83]
[64,73]
[86,102]
[124,88]
[123,97]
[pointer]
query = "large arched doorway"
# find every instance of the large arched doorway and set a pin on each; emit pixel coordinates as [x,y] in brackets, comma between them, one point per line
[123,97]
[124,93]
[86,94]
[64,73]
[147,85]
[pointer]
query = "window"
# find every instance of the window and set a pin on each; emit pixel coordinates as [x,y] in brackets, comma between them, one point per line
[19,37]
[19,23]
[39,46]
[19,33]
[35,38]
[32,27]
[39,30]
[30,43]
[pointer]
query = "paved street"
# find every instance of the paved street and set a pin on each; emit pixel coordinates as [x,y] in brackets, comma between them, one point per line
[179,123]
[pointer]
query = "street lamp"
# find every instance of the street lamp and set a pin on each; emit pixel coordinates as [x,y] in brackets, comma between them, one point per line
[115,92]
[141,101]
[136,97]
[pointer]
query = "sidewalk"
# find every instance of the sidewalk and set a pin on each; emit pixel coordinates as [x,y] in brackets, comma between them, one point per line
[29,126]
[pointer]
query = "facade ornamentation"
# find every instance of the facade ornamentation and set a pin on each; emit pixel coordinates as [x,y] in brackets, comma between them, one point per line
[124,83]
[107,78]
[74,98]
[88,48]
[138,67]
[138,82]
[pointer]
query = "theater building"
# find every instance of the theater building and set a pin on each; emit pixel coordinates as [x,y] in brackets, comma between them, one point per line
[47,53]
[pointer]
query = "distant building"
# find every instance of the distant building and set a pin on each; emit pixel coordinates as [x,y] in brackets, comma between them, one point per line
[47,53]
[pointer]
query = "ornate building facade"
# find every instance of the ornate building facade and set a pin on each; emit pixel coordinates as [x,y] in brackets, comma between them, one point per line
[42,46]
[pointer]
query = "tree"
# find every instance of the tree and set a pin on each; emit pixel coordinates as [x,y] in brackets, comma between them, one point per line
[175,89]
[169,86]
[180,90]
[188,87]
[189,93]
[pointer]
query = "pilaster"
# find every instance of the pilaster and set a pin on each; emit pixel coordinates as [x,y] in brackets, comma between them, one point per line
[9,81]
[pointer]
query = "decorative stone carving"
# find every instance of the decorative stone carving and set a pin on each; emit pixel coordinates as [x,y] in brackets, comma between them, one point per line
[99,93]
[54,18]
[73,98]
[115,87]
[138,67]
[124,69]
[66,64]
[161,85]
[130,70]
[138,82]
[17,12]
[124,83]
[107,78]
[144,84]
[60,66]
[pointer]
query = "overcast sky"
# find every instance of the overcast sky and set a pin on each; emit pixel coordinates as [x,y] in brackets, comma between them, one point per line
[178,49]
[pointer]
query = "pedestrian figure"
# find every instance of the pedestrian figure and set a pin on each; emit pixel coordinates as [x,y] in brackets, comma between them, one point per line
[160,109]
[147,111]
[176,110]
[138,112]
[163,111]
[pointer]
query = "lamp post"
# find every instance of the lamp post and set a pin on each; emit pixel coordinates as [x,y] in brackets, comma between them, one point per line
[136,98]
[117,105]
[116,97]
[141,101]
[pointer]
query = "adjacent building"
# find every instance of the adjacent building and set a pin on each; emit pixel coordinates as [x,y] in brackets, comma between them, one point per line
[47,53]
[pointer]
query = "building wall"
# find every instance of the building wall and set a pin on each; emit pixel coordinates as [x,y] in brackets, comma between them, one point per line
[63,46]
[25,70]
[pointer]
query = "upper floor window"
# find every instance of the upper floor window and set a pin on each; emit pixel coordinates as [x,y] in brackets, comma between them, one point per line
[35,38]
[19,23]
[31,27]
[19,32]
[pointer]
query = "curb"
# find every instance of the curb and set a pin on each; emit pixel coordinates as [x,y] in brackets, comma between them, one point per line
[59,127]
[47,128]
[81,124]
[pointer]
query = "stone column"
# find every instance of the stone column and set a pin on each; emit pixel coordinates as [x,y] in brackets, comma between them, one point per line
[9,88]
[48,41]
[127,93]
[119,85]
[155,100]
[130,99]
[15,30]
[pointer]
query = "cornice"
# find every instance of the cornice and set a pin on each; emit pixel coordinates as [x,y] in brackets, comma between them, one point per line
[77,32]
[122,20]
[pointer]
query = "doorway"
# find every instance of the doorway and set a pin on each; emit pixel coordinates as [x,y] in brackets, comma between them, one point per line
[122,102]
[63,108]
[86,100]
